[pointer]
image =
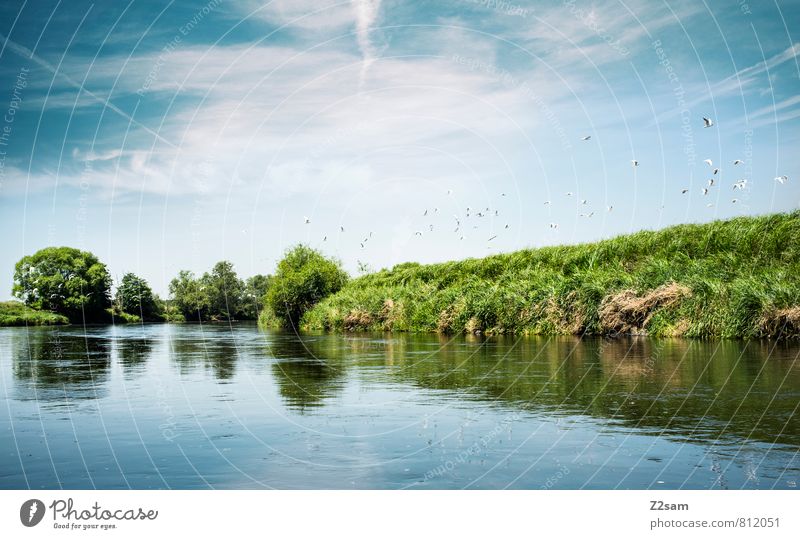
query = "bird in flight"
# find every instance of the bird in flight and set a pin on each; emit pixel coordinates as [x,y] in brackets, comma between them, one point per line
[738,162]
[740,184]
[684,191]
[307,220]
[634,162]
[782,179]
[707,122]
[493,237]
[708,162]
[553,225]
[705,191]
[587,137]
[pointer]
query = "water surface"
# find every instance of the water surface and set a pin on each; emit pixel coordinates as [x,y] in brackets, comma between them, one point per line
[229,406]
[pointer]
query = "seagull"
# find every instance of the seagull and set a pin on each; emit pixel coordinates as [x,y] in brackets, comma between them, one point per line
[506,226]
[493,237]
[741,184]
[709,205]
[738,162]
[426,213]
[634,162]
[705,191]
[449,191]
[708,162]
[711,182]
[782,179]
[569,193]
[553,225]
[546,202]
[307,220]
[362,245]
[684,191]
[431,227]
[502,194]
[587,137]
[584,201]
[418,233]
[716,170]
[609,208]
[435,210]
[325,238]
[734,201]
[341,228]
[707,122]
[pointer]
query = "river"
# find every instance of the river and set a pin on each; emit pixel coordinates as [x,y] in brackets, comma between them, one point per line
[229,406]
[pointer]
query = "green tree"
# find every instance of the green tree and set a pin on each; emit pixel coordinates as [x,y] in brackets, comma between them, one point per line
[255,288]
[224,290]
[304,277]
[134,296]
[189,296]
[64,280]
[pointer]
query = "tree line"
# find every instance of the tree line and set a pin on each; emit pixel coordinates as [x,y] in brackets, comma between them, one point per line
[76,284]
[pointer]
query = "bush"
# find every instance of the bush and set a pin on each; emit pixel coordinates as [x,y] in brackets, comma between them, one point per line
[304,277]
[134,297]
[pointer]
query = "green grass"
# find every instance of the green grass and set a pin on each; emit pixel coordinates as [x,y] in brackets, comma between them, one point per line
[14,313]
[734,278]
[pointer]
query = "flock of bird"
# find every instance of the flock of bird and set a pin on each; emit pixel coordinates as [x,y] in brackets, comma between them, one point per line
[472,213]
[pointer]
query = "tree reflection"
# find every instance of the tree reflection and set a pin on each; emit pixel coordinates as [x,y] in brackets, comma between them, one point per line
[56,365]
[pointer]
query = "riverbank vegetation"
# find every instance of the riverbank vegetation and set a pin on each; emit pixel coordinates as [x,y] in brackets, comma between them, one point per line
[66,285]
[734,278]
[14,313]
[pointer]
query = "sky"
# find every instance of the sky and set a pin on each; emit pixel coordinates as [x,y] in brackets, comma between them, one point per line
[170,135]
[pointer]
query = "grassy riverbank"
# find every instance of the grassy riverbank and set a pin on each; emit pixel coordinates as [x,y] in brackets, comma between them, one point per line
[734,278]
[14,313]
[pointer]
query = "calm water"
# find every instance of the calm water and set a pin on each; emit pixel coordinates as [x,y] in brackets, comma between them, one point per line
[215,406]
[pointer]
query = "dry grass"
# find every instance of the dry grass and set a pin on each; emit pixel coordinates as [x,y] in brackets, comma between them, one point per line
[781,323]
[629,312]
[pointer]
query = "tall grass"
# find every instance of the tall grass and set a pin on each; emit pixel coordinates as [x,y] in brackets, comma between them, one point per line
[14,313]
[733,278]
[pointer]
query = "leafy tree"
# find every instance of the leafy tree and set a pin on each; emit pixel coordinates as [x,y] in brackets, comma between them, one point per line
[134,296]
[224,290]
[66,281]
[255,288]
[304,277]
[189,296]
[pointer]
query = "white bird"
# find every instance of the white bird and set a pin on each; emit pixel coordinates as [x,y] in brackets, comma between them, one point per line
[684,191]
[546,202]
[705,191]
[325,238]
[426,213]
[418,233]
[569,193]
[716,170]
[435,210]
[584,201]
[738,162]
[711,182]
[587,137]
[707,122]
[431,227]
[708,162]
[741,184]
[341,228]
[502,194]
[506,226]
[609,208]
[634,162]
[449,191]
[362,245]
[307,220]
[709,205]
[782,179]
[734,201]
[493,237]
[553,225]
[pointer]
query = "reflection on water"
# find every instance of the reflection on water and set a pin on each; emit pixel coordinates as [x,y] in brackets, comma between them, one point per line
[192,406]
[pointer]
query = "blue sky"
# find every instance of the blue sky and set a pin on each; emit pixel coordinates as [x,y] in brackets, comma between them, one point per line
[170,135]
